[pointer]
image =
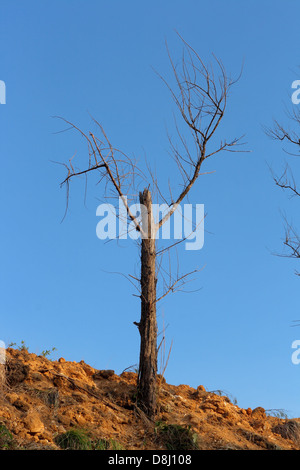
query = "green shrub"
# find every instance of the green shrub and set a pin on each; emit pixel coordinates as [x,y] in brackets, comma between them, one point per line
[79,439]
[176,437]
[22,347]
[47,352]
[74,439]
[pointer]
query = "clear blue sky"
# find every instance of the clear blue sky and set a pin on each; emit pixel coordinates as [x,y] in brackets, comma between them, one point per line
[75,58]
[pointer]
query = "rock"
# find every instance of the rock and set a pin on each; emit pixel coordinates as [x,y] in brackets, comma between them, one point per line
[199,393]
[66,418]
[78,397]
[259,412]
[45,435]
[44,442]
[87,369]
[130,377]
[193,420]
[36,377]
[21,405]
[60,382]
[33,423]
[11,397]
[80,420]
[5,413]
[258,418]
[103,374]
[22,433]
[61,359]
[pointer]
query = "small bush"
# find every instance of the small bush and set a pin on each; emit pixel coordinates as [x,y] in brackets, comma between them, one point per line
[23,347]
[176,437]
[47,352]
[74,439]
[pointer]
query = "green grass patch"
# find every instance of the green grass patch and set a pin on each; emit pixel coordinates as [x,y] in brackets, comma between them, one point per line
[6,438]
[80,439]
[107,444]
[176,437]
[74,439]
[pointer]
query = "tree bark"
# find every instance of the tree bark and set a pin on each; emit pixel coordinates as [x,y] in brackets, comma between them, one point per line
[147,376]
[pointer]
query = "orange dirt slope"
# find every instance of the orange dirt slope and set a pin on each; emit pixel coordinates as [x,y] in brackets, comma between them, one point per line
[41,399]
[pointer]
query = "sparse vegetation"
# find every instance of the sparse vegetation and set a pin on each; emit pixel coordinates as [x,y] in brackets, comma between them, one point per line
[47,352]
[79,439]
[258,440]
[74,439]
[22,346]
[40,412]
[6,438]
[290,429]
[277,413]
[223,393]
[107,444]
[176,437]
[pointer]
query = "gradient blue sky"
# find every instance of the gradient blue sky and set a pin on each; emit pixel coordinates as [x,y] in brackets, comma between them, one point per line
[75,58]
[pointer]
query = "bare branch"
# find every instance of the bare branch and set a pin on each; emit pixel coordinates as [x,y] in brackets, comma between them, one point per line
[201,99]
[105,152]
[181,281]
[287,181]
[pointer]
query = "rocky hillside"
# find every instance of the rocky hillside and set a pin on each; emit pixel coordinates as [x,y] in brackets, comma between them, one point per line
[48,404]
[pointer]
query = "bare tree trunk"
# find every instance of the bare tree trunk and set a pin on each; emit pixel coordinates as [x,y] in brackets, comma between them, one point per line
[147,377]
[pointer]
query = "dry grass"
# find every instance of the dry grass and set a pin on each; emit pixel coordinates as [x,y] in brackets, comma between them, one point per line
[290,429]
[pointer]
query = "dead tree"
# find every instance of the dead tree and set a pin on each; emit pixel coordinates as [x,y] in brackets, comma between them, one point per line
[286,180]
[200,94]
